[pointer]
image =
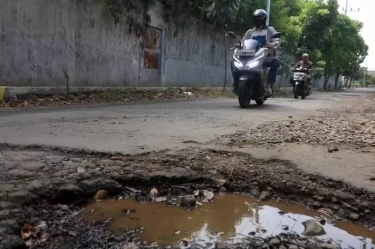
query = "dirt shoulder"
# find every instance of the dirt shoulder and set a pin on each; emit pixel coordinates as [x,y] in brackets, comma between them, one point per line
[338,143]
[119,96]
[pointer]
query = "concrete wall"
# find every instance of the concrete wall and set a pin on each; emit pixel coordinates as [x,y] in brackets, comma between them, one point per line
[44,41]
[283,82]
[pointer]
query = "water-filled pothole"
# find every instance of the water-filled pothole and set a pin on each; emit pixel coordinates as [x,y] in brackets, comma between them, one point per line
[228,218]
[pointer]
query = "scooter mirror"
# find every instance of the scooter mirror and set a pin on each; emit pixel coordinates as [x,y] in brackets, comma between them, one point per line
[232,34]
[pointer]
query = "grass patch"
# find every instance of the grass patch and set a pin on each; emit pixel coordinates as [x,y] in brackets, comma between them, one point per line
[2,94]
[212,92]
[283,93]
[118,94]
[171,93]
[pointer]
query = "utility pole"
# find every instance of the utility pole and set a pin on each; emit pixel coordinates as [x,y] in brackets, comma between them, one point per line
[364,76]
[269,11]
[346,13]
[346,8]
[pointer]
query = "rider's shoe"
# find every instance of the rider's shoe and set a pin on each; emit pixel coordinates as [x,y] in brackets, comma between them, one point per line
[268,89]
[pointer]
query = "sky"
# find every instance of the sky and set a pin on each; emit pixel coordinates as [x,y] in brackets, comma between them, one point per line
[366,16]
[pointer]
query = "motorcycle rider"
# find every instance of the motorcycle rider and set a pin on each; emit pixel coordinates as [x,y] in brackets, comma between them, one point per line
[262,33]
[305,63]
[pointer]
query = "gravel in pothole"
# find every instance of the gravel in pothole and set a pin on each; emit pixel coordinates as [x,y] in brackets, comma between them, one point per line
[356,130]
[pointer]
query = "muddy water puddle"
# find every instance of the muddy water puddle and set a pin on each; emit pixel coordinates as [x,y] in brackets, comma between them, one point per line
[230,218]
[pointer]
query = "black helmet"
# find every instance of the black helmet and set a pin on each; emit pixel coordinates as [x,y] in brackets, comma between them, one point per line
[260,13]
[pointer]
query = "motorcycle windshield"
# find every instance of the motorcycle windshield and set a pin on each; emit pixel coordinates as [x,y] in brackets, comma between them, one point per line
[251,44]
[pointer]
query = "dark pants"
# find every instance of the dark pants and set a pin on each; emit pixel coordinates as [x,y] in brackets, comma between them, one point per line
[273,63]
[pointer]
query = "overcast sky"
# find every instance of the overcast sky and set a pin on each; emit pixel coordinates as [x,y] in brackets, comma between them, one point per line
[366,15]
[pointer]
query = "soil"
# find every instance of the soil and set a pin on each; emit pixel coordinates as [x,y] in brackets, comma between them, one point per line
[51,183]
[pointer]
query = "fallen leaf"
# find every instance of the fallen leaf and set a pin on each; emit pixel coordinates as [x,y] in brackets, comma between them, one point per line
[130,246]
[101,195]
[26,231]
[30,242]
[72,233]
[153,192]
[41,224]
[41,239]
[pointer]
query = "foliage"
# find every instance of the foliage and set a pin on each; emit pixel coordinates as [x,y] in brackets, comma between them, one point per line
[370,80]
[135,13]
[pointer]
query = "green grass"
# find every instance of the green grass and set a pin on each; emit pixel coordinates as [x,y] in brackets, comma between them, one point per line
[117,94]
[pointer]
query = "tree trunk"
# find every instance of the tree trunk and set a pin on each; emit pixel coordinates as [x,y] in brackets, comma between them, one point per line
[351,82]
[337,81]
[326,78]
[346,81]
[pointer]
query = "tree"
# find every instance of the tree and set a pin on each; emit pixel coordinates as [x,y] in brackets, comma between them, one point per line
[370,80]
[346,37]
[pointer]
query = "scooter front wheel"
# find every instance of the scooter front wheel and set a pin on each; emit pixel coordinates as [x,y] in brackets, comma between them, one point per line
[260,101]
[244,94]
[296,91]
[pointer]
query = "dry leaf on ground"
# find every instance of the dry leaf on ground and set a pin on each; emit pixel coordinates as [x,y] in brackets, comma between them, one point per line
[26,231]
[101,195]
[153,192]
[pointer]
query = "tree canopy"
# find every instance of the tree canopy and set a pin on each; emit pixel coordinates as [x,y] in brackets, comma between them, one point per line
[333,40]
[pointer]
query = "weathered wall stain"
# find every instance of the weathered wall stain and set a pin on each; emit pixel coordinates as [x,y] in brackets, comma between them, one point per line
[41,39]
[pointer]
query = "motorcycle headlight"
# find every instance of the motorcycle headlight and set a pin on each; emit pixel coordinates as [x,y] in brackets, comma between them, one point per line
[252,64]
[238,64]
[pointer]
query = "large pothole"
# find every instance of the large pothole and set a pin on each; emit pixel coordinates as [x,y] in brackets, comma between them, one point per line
[36,185]
[230,218]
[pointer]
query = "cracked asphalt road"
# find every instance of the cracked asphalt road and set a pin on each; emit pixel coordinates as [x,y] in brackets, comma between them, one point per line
[148,127]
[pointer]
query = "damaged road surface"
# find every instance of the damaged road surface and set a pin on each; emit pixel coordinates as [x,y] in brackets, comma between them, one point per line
[311,159]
